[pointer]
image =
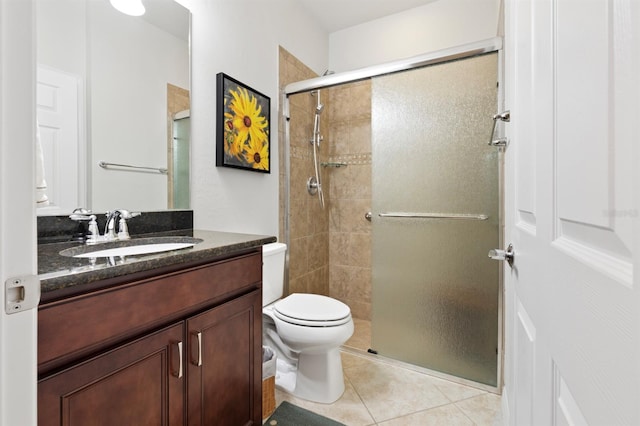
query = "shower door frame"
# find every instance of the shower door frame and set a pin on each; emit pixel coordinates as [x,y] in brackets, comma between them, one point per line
[465,51]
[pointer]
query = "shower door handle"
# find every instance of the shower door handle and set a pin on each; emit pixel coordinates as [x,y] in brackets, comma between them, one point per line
[508,254]
[504,116]
[410,215]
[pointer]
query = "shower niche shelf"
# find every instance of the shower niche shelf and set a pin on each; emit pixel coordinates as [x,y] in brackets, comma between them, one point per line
[334,164]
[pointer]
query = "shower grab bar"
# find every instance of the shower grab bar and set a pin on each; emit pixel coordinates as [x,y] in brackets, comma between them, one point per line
[106,165]
[435,215]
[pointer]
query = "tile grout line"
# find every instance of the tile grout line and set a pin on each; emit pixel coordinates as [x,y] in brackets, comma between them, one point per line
[375,422]
[467,399]
[429,409]
[444,395]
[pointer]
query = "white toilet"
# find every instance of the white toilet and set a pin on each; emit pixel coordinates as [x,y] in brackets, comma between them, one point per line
[306,332]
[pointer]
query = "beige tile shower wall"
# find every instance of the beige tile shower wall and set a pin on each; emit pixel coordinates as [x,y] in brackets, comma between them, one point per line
[350,194]
[177,99]
[308,223]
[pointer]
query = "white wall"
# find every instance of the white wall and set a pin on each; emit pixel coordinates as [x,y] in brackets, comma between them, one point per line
[434,26]
[241,39]
[62,35]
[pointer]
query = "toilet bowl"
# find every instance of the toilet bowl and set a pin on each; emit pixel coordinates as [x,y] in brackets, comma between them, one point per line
[306,332]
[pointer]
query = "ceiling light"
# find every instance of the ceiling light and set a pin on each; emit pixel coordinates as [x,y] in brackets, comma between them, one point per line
[129,7]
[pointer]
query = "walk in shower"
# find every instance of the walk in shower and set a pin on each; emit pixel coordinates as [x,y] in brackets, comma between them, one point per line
[411,206]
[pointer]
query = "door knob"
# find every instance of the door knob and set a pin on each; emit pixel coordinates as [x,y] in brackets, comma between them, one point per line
[508,254]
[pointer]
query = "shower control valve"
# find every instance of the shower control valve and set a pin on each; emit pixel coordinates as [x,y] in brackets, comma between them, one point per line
[312,185]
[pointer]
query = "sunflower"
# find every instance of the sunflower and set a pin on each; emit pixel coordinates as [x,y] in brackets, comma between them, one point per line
[233,143]
[247,119]
[257,155]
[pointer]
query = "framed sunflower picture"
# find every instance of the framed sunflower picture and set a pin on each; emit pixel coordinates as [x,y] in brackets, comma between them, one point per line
[242,137]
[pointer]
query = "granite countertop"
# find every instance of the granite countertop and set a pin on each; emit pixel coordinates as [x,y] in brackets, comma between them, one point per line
[57,272]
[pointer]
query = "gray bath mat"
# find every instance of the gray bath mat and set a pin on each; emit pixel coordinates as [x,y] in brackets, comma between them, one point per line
[288,414]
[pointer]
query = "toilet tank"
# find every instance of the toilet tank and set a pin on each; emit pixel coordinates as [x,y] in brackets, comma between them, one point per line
[272,272]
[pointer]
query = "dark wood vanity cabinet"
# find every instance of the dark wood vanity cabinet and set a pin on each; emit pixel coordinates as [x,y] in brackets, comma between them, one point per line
[135,384]
[224,382]
[188,356]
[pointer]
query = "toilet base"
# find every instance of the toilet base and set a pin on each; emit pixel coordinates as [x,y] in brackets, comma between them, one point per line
[318,378]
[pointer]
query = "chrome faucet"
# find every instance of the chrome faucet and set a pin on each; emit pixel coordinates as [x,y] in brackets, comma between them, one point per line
[118,219]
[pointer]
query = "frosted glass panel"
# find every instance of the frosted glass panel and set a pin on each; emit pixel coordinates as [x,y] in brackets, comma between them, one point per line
[435,291]
[181,137]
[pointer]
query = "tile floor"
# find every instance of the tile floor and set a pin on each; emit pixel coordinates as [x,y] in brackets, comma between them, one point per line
[385,394]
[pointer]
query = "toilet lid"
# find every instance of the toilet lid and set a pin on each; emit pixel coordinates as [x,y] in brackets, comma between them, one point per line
[306,308]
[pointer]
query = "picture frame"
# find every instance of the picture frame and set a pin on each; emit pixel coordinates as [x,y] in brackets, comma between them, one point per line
[242,126]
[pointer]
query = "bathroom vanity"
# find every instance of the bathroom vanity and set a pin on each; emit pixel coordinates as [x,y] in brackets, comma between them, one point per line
[169,338]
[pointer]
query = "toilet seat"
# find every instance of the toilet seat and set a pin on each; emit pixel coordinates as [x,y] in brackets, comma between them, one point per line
[312,310]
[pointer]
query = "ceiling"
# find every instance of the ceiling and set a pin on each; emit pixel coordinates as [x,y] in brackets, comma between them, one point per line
[336,15]
[168,15]
[333,15]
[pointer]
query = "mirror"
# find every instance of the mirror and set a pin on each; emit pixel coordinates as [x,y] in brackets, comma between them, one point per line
[110,89]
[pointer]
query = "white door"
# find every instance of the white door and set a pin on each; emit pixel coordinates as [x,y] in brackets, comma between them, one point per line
[573,212]
[59,96]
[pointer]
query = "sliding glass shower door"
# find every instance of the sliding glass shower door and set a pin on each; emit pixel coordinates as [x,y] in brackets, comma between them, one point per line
[435,216]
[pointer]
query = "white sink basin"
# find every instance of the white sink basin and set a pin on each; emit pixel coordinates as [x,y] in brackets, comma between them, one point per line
[135,250]
[133,247]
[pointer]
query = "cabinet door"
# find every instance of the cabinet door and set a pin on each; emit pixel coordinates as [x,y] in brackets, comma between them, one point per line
[139,383]
[224,373]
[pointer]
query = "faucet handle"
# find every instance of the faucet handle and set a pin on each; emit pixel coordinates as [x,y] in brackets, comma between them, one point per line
[80,214]
[93,234]
[121,215]
[123,231]
[126,214]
